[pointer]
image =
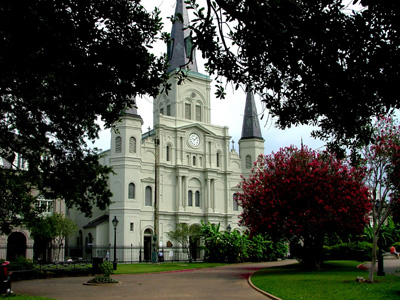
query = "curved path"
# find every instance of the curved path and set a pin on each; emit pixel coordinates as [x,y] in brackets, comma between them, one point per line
[226,282]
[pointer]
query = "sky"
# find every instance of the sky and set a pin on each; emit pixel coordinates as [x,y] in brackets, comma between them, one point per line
[226,112]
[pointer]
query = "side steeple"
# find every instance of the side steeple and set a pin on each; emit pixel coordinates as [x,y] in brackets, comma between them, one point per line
[251,144]
[180,50]
[251,126]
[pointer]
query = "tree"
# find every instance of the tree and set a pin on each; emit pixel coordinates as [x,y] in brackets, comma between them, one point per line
[184,235]
[304,195]
[382,161]
[64,65]
[312,62]
[56,228]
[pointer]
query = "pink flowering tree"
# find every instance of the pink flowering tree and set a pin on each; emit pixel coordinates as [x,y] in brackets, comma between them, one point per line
[382,161]
[304,195]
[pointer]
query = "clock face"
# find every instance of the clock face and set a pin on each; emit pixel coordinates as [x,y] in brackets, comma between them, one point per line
[194,140]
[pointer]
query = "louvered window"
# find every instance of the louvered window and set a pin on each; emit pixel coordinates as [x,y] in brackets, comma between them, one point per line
[188,114]
[168,110]
[118,144]
[197,199]
[131,191]
[132,145]
[235,203]
[248,162]
[198,113]
[148,196]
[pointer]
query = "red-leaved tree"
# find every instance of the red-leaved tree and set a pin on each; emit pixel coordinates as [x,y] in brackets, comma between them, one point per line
[304,195]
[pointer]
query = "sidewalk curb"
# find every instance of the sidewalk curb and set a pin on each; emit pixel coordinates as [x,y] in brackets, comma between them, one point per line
[270,296]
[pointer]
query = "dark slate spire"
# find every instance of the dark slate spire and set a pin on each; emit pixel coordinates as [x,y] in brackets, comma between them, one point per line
[251,126]
[180,49]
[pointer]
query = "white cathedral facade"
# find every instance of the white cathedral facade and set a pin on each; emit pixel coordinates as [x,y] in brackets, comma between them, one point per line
[182,171]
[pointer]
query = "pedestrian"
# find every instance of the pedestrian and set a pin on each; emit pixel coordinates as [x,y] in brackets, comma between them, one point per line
[394,252]
[108,255]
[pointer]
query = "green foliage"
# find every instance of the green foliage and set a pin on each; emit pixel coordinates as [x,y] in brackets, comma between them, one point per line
[52,95]
[235,247]
[313,62]
[102,280]
[107,268]
[360,251]
[184,234]
[55,227]
[22,263]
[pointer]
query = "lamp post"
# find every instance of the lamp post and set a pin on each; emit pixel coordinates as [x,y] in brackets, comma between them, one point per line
[115,224]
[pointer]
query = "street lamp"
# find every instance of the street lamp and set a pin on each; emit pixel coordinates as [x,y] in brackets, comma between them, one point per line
[115,224]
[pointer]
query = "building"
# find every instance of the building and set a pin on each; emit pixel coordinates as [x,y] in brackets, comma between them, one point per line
[20,243]
[185,165]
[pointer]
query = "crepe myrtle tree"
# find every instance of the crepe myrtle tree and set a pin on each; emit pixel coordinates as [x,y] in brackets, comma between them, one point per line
[381,159]
[65,65]
[304,195]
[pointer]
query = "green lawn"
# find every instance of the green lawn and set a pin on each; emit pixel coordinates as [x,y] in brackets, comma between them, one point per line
[164,267]
[337,280]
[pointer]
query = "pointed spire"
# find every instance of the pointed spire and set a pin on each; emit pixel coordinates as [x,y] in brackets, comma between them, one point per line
[251,126]
[180,49]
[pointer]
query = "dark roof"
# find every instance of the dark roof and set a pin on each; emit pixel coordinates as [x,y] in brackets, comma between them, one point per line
[180,48]
[251,126]
[96,222]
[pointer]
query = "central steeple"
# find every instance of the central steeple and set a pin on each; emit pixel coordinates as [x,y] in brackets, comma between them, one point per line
[180,50]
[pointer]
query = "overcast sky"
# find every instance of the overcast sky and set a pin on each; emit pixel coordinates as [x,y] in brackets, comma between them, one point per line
[227,112]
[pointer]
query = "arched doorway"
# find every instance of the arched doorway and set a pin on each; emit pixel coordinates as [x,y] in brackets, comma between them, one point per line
[194,242]
[147,239]
[16,246]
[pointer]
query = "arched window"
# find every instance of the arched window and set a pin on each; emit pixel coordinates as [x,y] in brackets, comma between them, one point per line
[217,159]
[190,198]
[188,111]
[248,162]
[132,144]
[131,191]
[197,199]
[148,196]
[198,113]
[167,153]
[118,144]
[194,160]
[235,203]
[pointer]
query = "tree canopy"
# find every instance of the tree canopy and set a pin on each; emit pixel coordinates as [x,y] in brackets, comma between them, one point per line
[64,65]
[312,62]
[303,195]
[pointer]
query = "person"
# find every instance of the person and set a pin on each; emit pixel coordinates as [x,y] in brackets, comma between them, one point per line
[108,256]
[160,256]
[394,252]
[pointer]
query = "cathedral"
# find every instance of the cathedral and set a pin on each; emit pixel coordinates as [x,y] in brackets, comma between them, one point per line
[184,170]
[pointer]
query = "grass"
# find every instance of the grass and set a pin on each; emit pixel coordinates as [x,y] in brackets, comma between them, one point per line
[164,267]
[337,280]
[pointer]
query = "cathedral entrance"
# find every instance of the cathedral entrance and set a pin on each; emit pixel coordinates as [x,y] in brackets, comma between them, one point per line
[147,240]
[16,246]
[194,241]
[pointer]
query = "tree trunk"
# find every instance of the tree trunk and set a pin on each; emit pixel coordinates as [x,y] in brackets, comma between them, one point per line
[374,257]
[312,256]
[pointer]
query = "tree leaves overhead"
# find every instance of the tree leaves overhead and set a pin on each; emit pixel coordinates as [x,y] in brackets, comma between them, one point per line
[64,65]
[313,62]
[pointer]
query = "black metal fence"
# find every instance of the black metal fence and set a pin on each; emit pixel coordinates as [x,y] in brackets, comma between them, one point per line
[132,254]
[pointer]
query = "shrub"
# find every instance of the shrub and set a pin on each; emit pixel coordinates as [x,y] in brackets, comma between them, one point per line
[22,263]
[348,251]
[107,268]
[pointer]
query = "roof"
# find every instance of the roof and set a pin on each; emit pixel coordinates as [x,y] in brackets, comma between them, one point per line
[180,49]
[96,222]
[251,126]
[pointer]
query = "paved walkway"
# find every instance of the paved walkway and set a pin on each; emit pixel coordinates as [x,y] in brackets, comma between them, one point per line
[226,282]
[390,266]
